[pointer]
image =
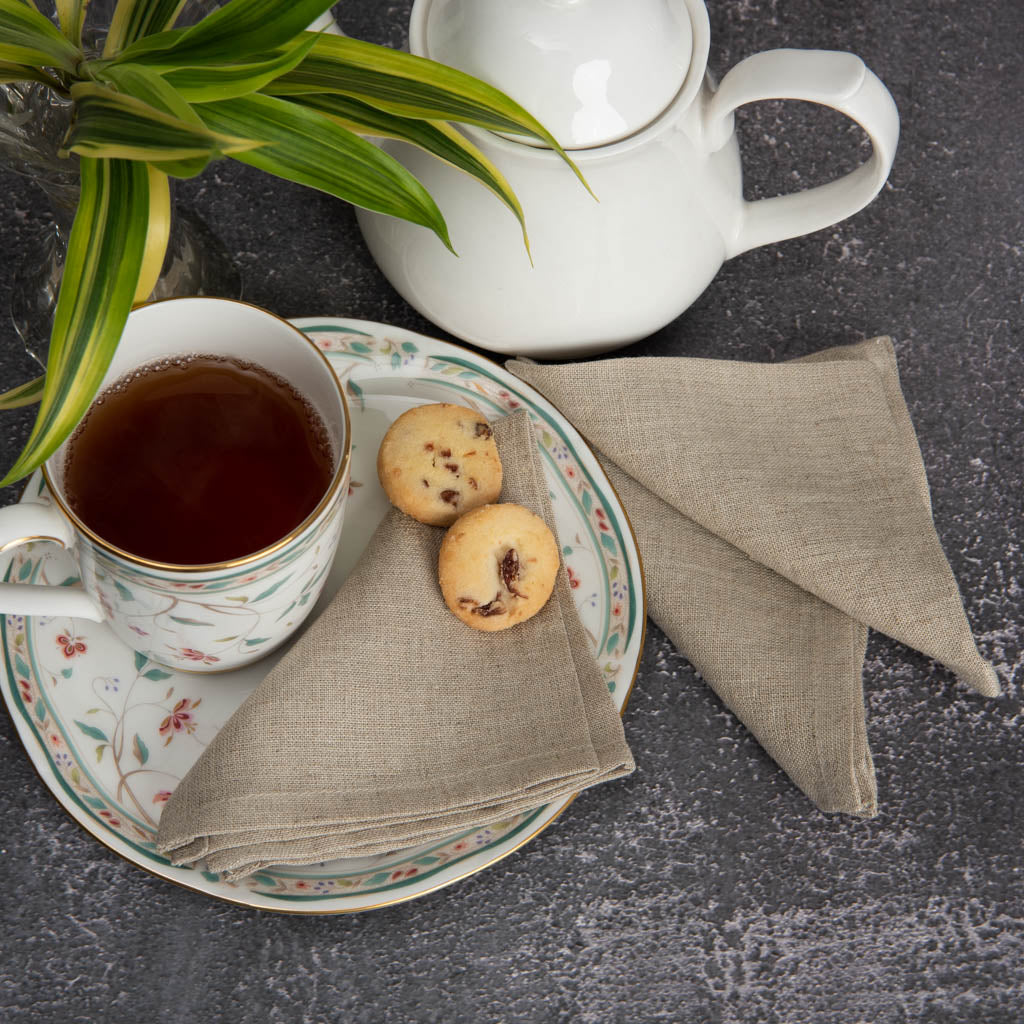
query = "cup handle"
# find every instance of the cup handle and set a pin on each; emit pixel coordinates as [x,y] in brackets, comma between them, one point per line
[22,524]
[839,80]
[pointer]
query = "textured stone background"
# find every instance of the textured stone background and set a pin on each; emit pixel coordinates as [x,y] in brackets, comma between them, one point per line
[704,888]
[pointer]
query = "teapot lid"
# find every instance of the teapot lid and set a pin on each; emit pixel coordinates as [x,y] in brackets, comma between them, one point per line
[591,71]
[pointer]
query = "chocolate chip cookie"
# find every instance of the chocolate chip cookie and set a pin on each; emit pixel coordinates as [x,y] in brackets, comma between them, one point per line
[497,566]
[437,462]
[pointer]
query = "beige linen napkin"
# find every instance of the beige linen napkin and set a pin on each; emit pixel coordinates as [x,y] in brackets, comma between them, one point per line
[780,510]
[391,723]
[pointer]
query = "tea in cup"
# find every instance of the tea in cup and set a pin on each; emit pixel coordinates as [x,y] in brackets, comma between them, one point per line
[202,494]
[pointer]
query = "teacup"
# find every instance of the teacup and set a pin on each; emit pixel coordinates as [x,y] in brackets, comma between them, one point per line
[196,617]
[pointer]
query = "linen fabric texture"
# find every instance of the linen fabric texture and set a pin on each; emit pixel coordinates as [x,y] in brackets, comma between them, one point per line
[391,723]
[780,511]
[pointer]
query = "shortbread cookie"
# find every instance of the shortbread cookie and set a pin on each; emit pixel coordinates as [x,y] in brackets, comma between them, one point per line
[437,462]
[497,566]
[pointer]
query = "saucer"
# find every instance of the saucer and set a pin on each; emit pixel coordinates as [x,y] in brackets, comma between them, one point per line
[111,733]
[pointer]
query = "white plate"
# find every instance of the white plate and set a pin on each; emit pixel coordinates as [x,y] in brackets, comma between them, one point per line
[111,735]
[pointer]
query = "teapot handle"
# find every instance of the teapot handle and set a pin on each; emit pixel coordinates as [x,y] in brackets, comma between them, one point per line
[839,80]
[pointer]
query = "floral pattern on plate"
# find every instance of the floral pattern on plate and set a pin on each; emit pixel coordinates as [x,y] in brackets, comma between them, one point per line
[112,733]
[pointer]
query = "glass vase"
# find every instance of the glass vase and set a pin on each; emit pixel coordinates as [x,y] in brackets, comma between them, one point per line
[33,123]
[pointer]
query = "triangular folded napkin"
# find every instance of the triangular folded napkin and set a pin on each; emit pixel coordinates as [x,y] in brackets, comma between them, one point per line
[780,510]
[390,723]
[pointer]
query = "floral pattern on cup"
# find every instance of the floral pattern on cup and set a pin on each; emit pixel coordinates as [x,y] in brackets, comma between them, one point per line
[237,615]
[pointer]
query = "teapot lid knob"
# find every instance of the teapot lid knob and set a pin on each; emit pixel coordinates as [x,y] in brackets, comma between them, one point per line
[591,71]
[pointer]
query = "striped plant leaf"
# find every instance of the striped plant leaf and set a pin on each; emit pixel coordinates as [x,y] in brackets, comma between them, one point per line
[307,147]
[25,73]
[238,30]
[137,19]
[100,275]
[111,125]
[71,16]
[436,137]
[226,81]
[24,394]
[158,231]
[27,37]
[149,86]
[410,86]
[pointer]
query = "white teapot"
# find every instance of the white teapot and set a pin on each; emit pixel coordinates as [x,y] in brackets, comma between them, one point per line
[623,85]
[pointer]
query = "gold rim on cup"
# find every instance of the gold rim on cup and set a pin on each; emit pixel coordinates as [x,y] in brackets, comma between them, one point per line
[232,563]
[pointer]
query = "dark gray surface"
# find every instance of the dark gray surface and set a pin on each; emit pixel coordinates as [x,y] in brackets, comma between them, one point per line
[704,887]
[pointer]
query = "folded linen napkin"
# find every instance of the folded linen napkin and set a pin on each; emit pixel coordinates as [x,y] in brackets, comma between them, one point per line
[390,723]
[780,510]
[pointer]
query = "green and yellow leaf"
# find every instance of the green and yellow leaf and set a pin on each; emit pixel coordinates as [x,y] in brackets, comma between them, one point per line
[409,86]
[24,73]
[137,19]
[70,17]
[27,37]
[435,137]
[240,29]
[307,147]
[226,81]
[149,86]
[24,394]
[113,125]
[100,277]
[158,231]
